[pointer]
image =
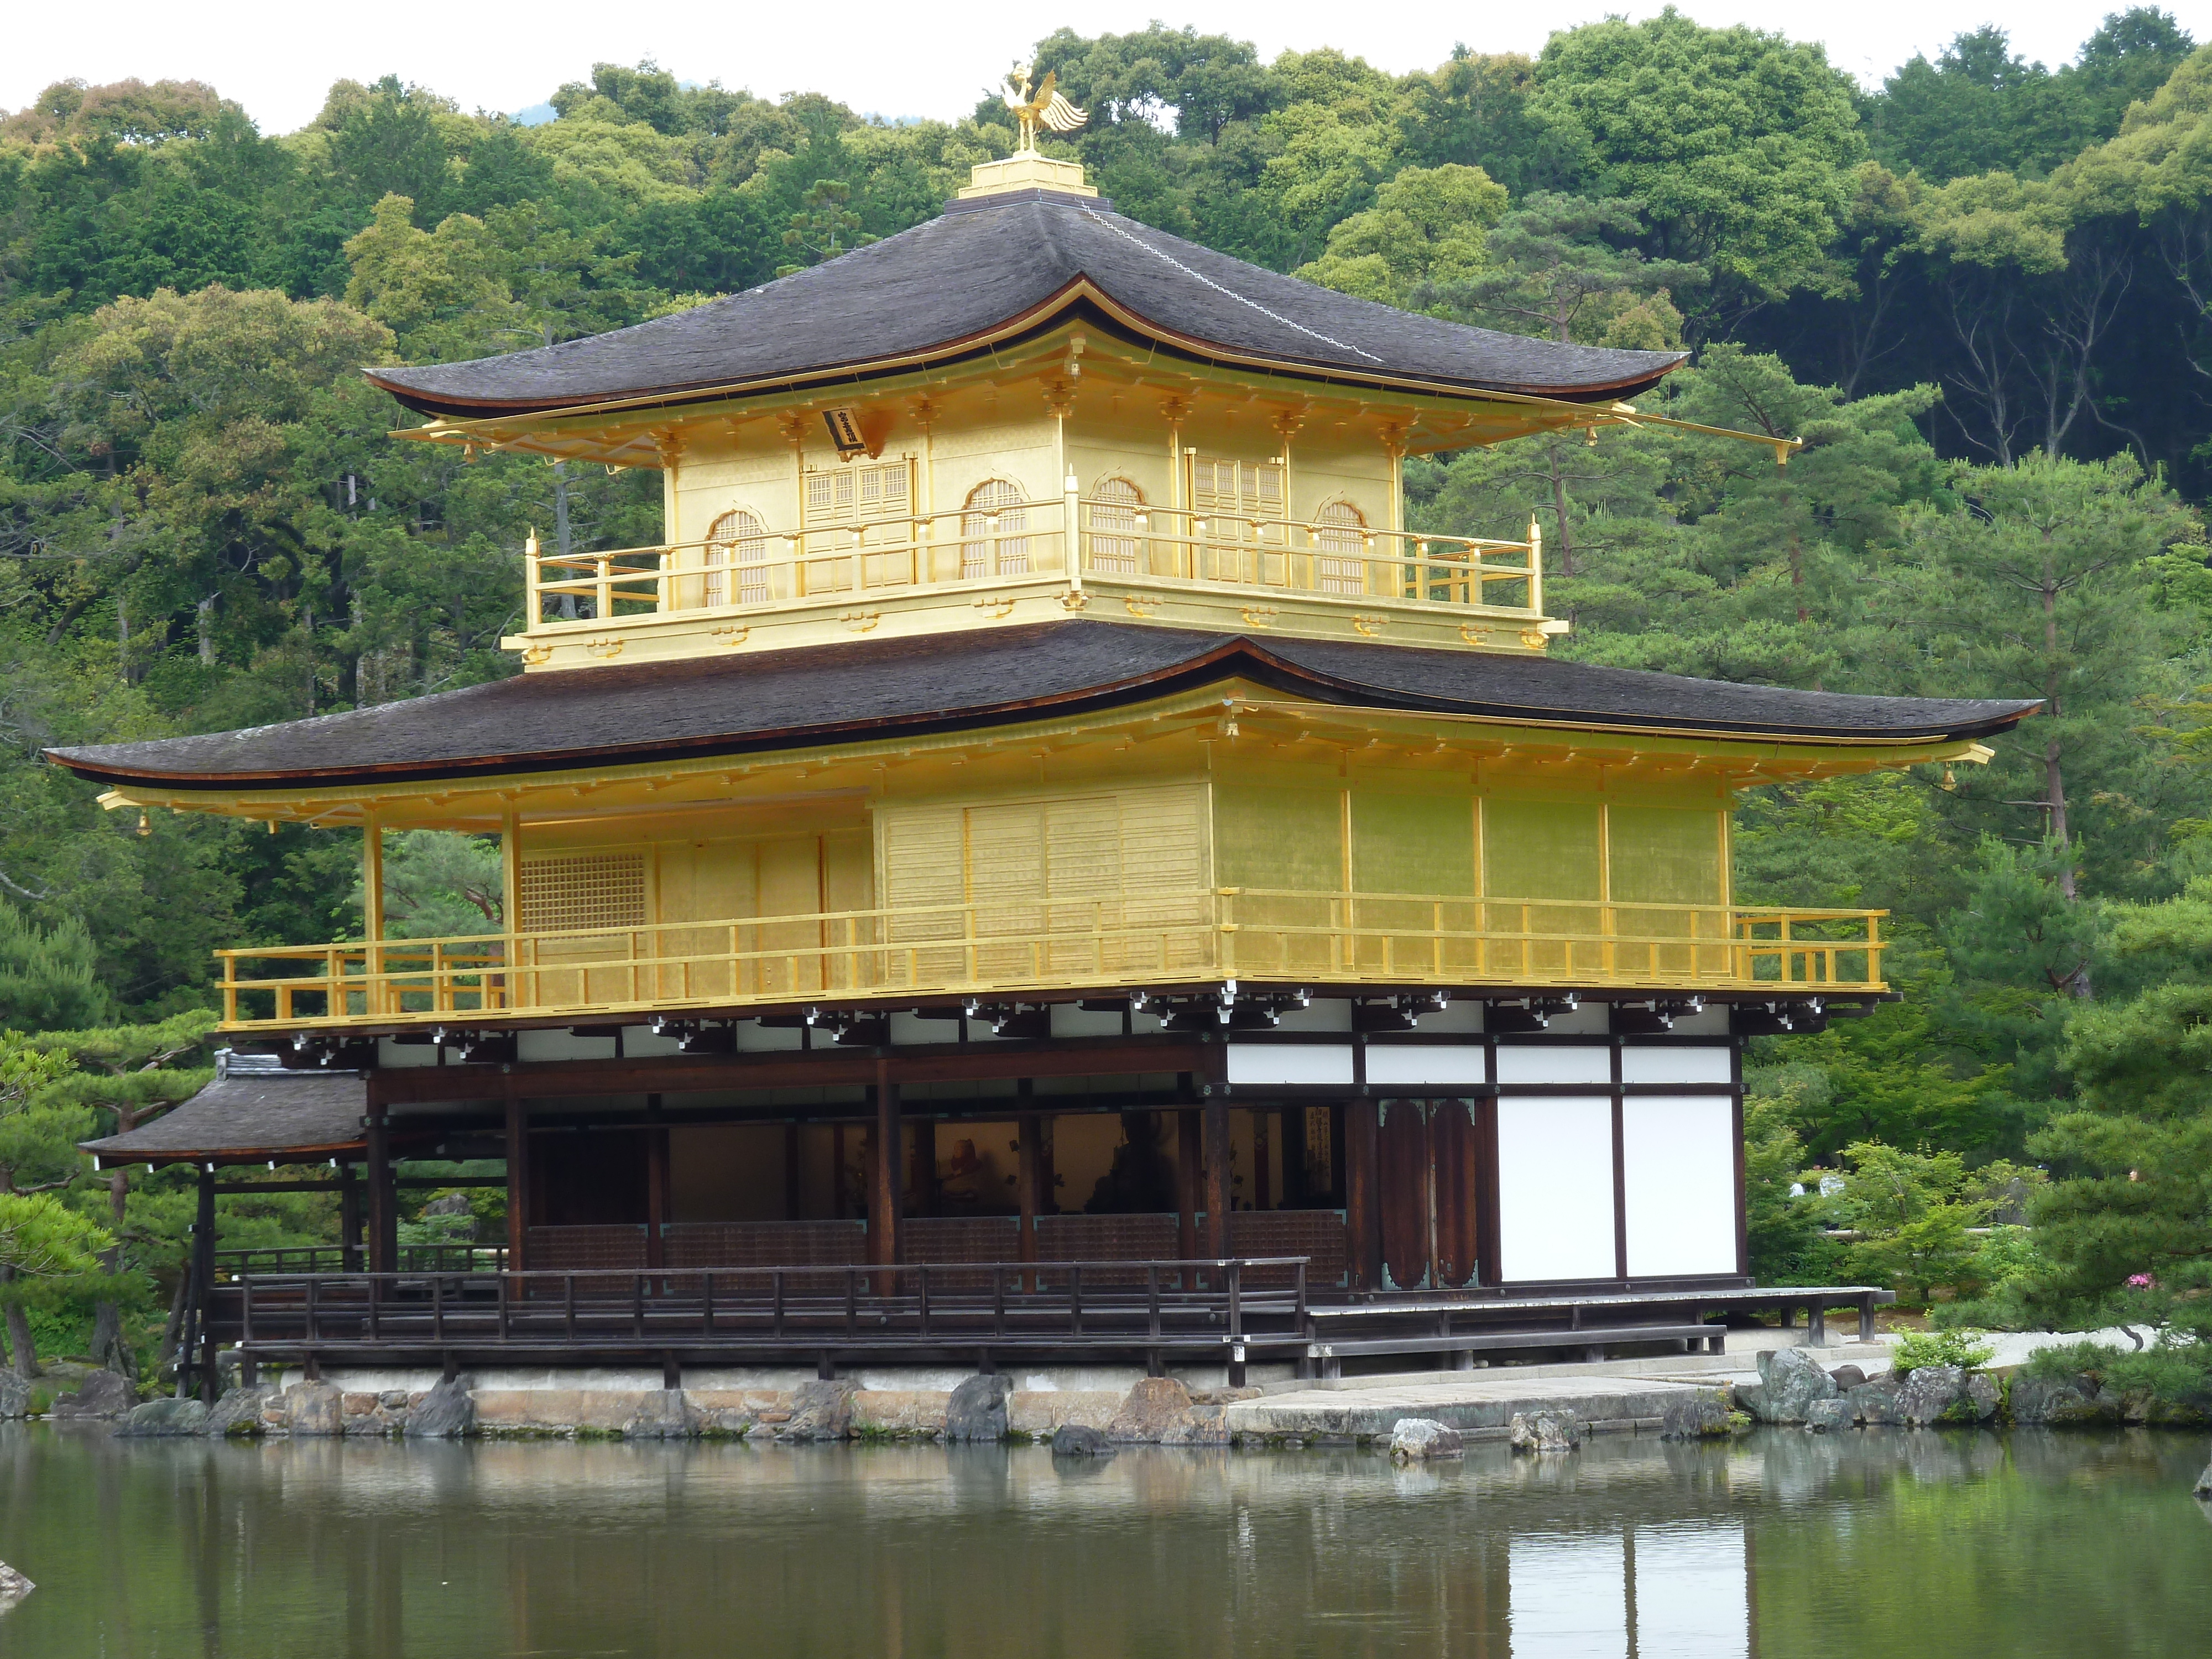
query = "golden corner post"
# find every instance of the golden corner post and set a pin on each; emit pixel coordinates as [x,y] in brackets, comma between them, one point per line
[1041,861]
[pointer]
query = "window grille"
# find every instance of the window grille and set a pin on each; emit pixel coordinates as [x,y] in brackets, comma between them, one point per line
[1344,533]
[993,543]
[590,890]
[1241,503]
[1113,513]
[738,538]
[850,493]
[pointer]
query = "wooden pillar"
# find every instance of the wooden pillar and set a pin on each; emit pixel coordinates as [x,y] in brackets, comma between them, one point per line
[1218,1191]
[348,1219]
[1189,1160]
[884,1171]
[656,1185]
[1363,1214]
[1029,1129]
[204,1277]
[510,893]
[383,1206]
[518,1182]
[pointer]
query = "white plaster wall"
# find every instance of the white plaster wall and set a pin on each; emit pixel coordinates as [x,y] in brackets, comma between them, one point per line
[1541,1064]
[1680,1166]
[1555,1187]
[1674,1065]
[1428,1062]
[1285,1062]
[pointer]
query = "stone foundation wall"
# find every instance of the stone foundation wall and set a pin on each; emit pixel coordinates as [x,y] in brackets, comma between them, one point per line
[791,1407]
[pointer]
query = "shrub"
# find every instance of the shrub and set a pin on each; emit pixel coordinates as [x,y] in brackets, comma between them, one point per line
[1918,1349]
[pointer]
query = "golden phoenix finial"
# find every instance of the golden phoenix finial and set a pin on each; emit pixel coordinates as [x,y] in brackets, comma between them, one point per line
[1048,108]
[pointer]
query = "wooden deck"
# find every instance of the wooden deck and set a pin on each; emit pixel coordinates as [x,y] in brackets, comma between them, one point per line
[1153,1312]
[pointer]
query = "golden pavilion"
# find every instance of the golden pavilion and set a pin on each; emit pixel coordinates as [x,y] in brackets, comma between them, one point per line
[1040,856]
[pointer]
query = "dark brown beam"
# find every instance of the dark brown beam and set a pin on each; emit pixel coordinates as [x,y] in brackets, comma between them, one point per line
[883,1187]
[1189,1184]
[518,1182]
[1217,1189]
[656,1187]
[783,1069]
[383,1208]
[1363,1216]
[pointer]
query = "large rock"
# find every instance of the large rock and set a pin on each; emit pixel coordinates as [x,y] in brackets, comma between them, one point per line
[819,1410]
[238,1411]
[1154,1407]
[313,1408]
[1824,1416]
[1416,1439]
[15,1395]
[1790,1379]
[167,1417]
[13,1586]
[661,1414]
[1704,1415]
[446,1412]
[1847,1377]
[1875,1402]
[102,1394]
[1935,1395]
[1543,1431]
[1078,1440]
[977,1410]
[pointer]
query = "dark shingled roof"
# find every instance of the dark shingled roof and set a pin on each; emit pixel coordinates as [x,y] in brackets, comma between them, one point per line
[293,1115]
[799,697]
[1005,262]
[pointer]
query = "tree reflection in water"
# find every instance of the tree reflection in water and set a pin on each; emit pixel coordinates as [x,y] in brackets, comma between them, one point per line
[1787,1543]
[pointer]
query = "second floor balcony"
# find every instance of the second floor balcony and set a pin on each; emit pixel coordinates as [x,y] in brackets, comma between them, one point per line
[1011,947]
[1029,562]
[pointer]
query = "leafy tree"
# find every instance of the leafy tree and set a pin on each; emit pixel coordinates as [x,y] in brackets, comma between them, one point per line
[1912,1214]
[1737,144]
[1552,271]
[2126,1230]
[824,227]
[47,976]
[1425,230]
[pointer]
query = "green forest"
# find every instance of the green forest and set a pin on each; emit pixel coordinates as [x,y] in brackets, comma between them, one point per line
[1981,293]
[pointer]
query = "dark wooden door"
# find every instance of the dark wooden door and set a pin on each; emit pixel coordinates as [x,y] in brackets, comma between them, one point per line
[1427,1193]
[1452,1176]
[1403,1199]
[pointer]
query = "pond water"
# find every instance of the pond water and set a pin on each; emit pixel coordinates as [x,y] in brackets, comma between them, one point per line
[1863,1544]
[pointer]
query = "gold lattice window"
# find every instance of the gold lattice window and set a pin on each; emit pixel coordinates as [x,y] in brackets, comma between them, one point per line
[590,890]
[738,538]
[991,542]
[1116,505]
[1343,533]
[849,493]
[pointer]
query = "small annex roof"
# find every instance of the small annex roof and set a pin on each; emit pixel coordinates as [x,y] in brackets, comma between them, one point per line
[820,695]
[989,270]
[292,1117]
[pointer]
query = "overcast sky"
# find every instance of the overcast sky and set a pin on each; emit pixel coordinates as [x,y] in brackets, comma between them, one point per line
[880,59]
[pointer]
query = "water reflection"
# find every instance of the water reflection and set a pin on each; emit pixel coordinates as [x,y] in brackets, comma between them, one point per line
[1787,1543]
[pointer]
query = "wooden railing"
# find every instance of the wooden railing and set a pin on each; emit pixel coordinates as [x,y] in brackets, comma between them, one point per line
[1211,1305]
[1012,945]
[332,1258]
[1112,540]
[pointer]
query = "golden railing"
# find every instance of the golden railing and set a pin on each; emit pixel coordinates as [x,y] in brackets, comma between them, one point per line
[915,552]
[1011,946]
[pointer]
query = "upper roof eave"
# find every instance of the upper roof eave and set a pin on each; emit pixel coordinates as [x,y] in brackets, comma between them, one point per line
[1031,321]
